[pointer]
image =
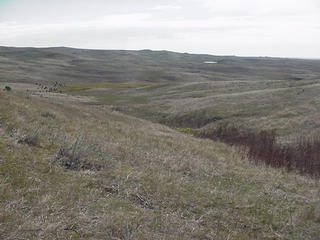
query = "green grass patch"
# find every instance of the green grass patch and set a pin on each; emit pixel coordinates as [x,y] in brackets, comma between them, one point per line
[186,130]
[122,99]
[74,87]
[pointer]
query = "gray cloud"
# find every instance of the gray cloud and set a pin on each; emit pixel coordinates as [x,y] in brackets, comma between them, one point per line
[247,27]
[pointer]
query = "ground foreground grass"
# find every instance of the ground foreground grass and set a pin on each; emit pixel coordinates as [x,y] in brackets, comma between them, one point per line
[73,171]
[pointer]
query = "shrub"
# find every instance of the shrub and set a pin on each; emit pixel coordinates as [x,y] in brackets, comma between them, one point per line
[77,156]
[48,114]
[7,88]
[31,138]
[185,130]
[262,146]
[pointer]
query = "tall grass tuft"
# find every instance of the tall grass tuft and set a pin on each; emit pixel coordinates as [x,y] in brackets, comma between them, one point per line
[262,147]
[31,138]
[82,155]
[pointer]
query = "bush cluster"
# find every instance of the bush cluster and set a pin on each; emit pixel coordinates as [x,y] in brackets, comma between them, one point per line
[303,156]
[7,88]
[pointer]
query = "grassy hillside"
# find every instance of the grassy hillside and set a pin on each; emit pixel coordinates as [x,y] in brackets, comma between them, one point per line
[97,145]
[77,65]
[73,171]
[177,89]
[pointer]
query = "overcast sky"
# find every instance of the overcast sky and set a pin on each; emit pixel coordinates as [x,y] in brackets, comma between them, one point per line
[285,28]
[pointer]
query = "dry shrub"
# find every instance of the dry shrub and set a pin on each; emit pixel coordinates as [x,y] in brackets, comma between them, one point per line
[47,114]
[31,138]
[262,146]
[81,155]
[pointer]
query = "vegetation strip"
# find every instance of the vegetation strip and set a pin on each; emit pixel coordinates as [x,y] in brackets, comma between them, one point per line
[262,146]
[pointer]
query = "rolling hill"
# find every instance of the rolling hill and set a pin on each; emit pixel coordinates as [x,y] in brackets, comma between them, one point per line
[97,145]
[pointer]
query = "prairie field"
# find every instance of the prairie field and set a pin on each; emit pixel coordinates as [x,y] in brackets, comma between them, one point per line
[125,145]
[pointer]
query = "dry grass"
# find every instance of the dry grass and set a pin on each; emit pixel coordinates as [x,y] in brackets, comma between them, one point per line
[286,106]
[153,183]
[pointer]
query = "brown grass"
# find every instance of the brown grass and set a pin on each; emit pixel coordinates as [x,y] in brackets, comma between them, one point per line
[154,183]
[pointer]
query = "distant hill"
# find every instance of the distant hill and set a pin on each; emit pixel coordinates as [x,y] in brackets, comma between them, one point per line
[96,66]
[177,89]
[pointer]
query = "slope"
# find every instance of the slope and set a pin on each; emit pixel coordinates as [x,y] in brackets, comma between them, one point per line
[73,171]
[177,89]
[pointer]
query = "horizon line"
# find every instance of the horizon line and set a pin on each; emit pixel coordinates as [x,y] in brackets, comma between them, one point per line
[163,50]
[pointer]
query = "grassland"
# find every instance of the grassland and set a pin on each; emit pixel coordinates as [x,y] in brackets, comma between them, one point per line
[97,145]
[136,180]
[165,87]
